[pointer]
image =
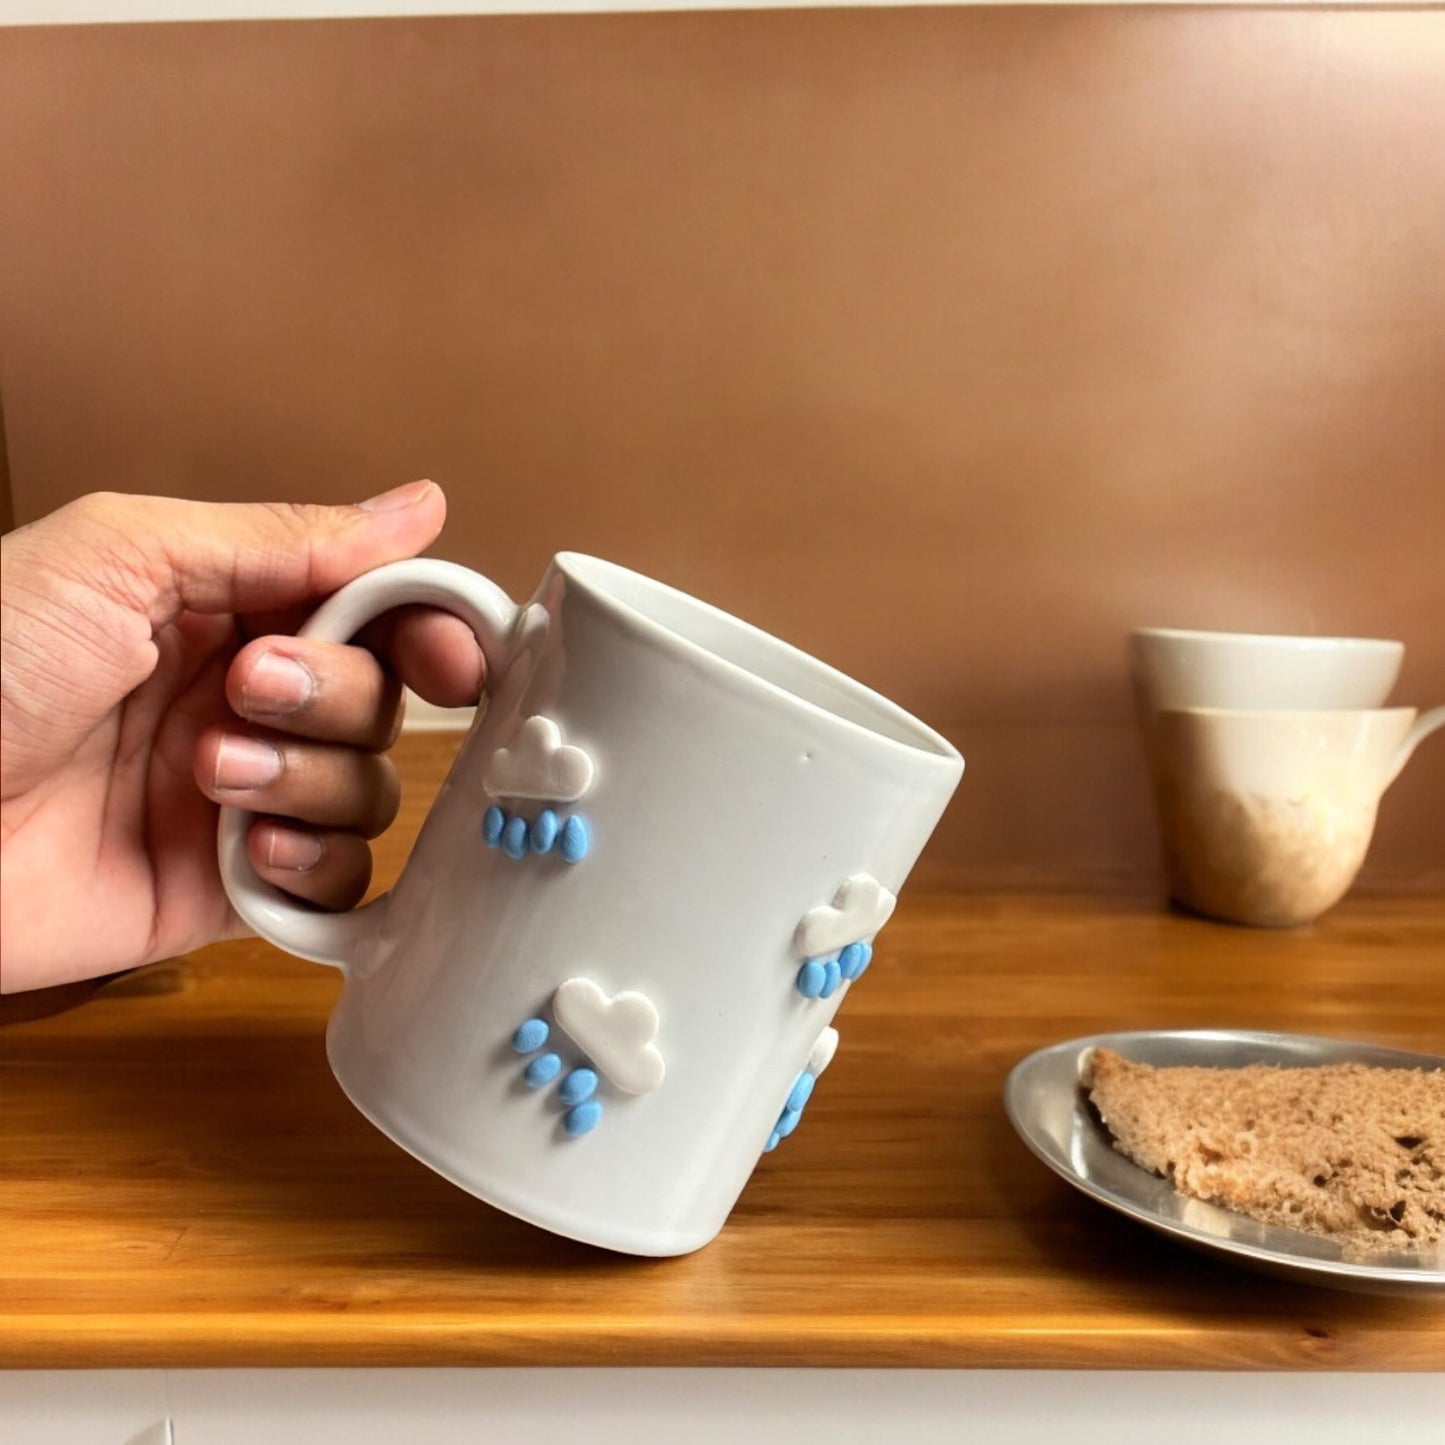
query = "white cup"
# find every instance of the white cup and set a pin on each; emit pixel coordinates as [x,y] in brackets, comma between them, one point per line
[605,981]
[1174,668]
[1266,817]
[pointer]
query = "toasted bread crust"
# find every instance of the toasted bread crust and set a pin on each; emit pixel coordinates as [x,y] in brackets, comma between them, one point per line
[1344,1150]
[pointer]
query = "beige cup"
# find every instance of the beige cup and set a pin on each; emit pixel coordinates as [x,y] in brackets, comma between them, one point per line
[1173,667]
[1266,817]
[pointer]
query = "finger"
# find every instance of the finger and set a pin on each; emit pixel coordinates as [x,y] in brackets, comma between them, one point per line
[434,653]
[162,556]
[276,621]
[320,784]
[322,866]
[342,694]
[312,689]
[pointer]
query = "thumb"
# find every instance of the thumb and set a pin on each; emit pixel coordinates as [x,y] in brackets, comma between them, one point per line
[171,556]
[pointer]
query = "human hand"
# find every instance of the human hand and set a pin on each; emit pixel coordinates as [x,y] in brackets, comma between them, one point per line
[142,685]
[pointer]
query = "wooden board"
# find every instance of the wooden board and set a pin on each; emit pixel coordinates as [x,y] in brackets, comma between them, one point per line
[184,1184]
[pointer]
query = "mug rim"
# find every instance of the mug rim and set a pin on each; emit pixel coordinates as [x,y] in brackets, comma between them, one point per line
[591,574]
[1302,641]
[1289,714]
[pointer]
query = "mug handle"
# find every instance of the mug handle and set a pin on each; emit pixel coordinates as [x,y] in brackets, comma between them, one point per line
[287,922]
[1421,729]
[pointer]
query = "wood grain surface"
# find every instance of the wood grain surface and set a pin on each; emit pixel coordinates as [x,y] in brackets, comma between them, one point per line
[184,1184]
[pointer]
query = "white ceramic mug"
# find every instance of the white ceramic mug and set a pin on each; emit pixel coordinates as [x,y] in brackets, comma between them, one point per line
[604,984]
[1266,817]
[1174,667]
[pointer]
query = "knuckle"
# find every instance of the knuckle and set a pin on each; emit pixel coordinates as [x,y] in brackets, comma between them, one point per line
[352,888]
[282,526]
[385,790]
[391,718]
[96,507]
[112,532]
[398,721]
[307,519]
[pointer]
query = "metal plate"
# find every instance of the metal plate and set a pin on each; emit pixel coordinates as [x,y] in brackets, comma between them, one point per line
[1048,1106]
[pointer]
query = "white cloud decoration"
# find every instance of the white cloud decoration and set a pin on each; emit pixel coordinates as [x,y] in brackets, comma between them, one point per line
[538,764]
[616,1032]
[860,907]
[823,1050]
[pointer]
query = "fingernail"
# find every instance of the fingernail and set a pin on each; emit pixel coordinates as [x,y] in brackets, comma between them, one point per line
[398,499]
[286,848]
[277,686]
[243,763]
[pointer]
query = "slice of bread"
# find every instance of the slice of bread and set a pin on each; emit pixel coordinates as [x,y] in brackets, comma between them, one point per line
[1345,1150]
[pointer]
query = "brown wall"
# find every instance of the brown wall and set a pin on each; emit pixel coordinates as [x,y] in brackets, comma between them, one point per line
[949,344]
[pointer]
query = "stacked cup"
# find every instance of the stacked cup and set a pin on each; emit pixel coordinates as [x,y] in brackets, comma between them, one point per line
[1268,757]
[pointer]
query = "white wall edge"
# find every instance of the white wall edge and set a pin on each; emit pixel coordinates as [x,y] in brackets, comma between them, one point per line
[426,717]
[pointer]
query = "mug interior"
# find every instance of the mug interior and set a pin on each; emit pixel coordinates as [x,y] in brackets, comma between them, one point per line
[676,617]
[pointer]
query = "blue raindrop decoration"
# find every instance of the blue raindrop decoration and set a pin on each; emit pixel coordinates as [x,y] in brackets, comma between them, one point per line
[577,1087]
[583,1119]
[514,838]
[823,977]
[544,831]
[867,959]
[792,1111]
[575,839]
[542,1070]
[530,1036]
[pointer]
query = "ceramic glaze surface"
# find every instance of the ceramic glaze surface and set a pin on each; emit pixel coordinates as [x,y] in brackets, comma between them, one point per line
[1266,817]
[733,787]
[1176,668]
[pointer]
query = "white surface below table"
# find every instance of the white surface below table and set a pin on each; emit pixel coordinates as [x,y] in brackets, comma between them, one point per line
[712,1407]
